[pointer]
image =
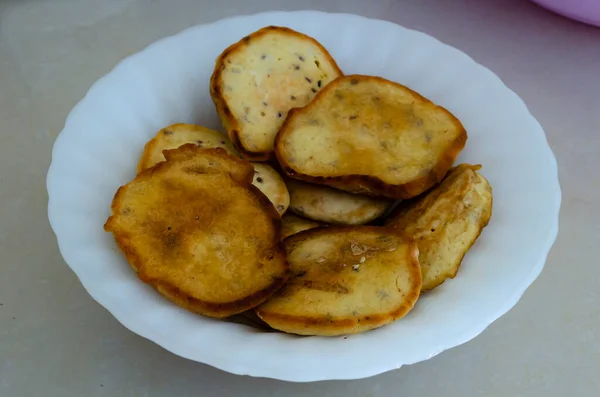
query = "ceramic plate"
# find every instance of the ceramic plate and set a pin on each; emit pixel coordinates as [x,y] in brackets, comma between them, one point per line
[168,82]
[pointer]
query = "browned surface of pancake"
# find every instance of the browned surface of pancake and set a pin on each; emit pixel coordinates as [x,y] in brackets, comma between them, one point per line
[345,280]
[446,221]
[196,229]
[368,135]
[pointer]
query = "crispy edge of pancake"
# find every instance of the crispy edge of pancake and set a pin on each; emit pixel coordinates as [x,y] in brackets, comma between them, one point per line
[150,146]
[308,325]
[368,184]
[241,172]
[268,172]
[172,292]
[216,87]
[411,210]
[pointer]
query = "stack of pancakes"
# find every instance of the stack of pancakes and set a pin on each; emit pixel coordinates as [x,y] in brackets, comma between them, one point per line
[331,204]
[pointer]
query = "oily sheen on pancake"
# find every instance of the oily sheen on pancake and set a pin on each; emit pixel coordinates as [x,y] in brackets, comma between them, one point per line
[196,229]
[345,280]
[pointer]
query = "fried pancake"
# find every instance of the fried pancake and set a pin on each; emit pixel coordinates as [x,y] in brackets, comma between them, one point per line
[368,135]
[345,280]
[189,158]
[446,221]
[176,135]
[272,185]
[326,204]
[196,229]
[266,179]
[257,80]
[292,224]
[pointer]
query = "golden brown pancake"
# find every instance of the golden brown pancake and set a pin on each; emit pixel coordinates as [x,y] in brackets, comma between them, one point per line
[345,280]
[196,229]
[368,135]
[446,221]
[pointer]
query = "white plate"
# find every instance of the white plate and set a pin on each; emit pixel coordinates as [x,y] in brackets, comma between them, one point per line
[168,82]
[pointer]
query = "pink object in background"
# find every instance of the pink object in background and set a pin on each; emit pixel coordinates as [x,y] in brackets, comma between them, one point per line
[587,11]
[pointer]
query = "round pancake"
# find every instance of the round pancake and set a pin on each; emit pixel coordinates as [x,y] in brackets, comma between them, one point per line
[176,135]
[257,80]
[272,185]
[325,204]
[345,280]
[196,229]
[445,222]
[266,179]
[292,224]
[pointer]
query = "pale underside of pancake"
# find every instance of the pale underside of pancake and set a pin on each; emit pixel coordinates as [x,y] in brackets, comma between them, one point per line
[196,229]
[266,179]
[326,204]
[293,224]
[345,280]
[446,221]
[365,134]
[259,79]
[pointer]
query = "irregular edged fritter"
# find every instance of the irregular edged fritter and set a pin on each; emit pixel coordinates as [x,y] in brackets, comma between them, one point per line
[176,135]
[326,204]
[272,185]
[345,280]
[196,229]
[259,79]
[189,158]
[292,224]
[365,134]
[266,179]
[446,221]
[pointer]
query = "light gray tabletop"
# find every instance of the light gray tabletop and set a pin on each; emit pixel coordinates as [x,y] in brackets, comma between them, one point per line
[55,340]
